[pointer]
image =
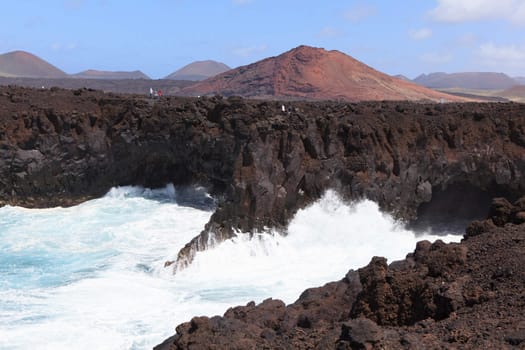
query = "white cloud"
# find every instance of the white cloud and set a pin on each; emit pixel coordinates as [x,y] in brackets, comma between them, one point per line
[359,12]
[242,2]
[436,58]
[518,15]
[474,10]
[466,40]
[34,22]
[73,4]
[420,34]
[329,32]
[503,58]
[249,50]
[62,47]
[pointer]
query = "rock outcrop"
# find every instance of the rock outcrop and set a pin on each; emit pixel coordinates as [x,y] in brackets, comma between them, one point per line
[261,163]
[469,295]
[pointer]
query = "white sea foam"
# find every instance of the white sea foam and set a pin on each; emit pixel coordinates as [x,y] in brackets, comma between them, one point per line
[92,276]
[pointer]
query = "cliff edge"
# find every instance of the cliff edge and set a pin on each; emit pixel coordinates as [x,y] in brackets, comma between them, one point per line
[261,163]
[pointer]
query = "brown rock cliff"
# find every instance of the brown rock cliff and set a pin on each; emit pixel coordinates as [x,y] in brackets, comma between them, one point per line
[60,147]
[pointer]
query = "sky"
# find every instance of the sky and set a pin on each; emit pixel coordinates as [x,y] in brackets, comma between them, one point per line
[158,37]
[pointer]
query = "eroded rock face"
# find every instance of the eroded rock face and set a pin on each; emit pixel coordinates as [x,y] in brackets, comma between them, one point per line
[393,297]
[501,212]
[469,295]
[60,147]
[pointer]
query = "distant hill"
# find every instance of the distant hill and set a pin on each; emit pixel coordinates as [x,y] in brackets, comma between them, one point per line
[109,75]
[313,73]
[131,86]
[515,93]
[520,80]
[466,80]
[199,70]
[18,64]
[402,77]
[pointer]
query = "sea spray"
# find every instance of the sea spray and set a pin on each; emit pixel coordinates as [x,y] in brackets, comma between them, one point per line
[323,242]
[92,276]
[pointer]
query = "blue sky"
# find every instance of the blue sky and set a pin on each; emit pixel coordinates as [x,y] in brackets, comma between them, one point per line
[160,36]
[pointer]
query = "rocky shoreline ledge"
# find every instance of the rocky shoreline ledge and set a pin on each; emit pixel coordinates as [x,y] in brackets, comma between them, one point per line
[468,295]
[263,160]
[60,147]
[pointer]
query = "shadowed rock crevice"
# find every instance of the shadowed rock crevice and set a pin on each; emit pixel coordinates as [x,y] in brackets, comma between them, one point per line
[450,210]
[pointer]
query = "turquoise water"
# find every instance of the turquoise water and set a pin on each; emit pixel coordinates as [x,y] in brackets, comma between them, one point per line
[93,277]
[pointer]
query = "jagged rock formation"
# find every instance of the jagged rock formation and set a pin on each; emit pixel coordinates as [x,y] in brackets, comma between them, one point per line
[60,147]
[442,296]
[312,73]
[262,164]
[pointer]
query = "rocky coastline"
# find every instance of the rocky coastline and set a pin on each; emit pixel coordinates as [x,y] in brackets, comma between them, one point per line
[60,147]
[263,160]
[468,295]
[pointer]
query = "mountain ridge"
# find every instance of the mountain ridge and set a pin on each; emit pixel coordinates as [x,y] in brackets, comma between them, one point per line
[199,70]
[101,74]
[313,73]
[467,80]
[27,65]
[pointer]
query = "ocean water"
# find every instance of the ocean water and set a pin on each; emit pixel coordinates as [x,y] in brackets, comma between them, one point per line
[92,276]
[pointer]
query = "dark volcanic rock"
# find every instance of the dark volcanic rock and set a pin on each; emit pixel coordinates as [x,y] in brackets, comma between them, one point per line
[391,296]
[60,147]
[360,333]
[501,212]
[443,296]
